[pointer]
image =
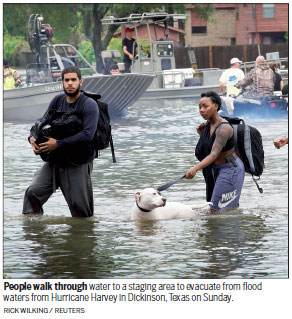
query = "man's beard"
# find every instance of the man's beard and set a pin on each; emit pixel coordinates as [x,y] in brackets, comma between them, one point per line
[72,94]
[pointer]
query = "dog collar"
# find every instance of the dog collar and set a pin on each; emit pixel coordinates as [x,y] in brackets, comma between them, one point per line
[142,209]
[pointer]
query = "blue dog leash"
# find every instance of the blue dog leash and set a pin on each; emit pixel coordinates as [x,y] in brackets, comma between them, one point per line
[167,185]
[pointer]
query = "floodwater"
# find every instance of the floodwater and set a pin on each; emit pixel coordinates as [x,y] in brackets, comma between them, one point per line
[154,144]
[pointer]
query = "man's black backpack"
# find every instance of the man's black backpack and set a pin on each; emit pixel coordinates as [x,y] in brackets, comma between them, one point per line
[59,125]
[249,147]
[103,134]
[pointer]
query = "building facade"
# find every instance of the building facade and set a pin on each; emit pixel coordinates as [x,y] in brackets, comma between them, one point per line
[239,23]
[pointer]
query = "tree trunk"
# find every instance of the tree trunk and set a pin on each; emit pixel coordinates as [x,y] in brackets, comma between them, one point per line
[96,37]
[86,15]
[110,32]
[182,39]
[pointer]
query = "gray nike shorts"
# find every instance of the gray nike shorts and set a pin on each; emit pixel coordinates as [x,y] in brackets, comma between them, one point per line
[228,185]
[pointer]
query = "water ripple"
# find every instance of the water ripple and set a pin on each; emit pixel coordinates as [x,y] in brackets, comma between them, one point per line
[154,144]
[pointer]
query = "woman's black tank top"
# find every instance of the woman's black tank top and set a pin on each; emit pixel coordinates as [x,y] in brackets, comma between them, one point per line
[230,143]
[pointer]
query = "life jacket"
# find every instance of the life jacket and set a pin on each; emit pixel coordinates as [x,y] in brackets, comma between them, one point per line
[8,79]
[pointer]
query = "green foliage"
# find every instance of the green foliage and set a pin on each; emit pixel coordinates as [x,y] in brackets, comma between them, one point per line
[12,48]
[63,19]
[70,21]
[86,49]
[205,12]
[115,44]
[286,36]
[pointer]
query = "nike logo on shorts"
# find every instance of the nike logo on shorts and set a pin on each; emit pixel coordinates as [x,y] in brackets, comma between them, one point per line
[230,198]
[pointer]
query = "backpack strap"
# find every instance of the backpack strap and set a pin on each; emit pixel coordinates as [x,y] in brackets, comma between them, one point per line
[58,100]
[258,186]
[220,124]
[61,97]
[112,149]
[82,99]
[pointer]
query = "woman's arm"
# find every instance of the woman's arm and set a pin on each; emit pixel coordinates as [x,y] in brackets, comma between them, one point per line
[222,135]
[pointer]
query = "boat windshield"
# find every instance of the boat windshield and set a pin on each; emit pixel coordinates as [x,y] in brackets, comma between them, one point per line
[38,73]
[165,49]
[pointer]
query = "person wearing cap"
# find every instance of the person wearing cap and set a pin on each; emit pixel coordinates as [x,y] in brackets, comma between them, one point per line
[114,69]
[261,80]
[230,77]
[130,49]
[11,79]
[70,166]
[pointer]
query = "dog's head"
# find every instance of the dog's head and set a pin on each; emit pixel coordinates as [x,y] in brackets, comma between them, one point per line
[149,198]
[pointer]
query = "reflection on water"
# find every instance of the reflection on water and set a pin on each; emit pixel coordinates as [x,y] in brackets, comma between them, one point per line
[154,144]
[239,237]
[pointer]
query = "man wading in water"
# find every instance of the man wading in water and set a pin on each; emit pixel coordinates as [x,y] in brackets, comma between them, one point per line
[73,163]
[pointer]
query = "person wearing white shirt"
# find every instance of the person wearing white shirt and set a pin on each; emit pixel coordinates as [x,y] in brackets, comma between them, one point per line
[230,77]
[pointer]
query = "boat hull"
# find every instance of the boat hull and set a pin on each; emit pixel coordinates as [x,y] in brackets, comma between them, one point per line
[175,93]
[119,92]
[274,107]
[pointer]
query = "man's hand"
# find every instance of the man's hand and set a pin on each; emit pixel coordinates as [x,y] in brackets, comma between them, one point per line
[48,146]
[281,142]
[34,145]
[131,56]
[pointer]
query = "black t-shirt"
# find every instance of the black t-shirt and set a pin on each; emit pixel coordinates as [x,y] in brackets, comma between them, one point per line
[78,148]
[277,82]
[129,44]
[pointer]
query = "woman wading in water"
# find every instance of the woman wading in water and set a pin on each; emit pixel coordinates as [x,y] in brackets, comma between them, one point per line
[223,170]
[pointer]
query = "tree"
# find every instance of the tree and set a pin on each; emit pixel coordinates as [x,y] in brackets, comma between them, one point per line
[123,10]
[93,14]
[69,21]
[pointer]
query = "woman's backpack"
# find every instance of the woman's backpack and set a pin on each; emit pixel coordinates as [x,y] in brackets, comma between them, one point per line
[249,147]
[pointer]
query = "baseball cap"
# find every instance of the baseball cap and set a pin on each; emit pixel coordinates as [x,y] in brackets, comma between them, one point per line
[235,60]
[128,30]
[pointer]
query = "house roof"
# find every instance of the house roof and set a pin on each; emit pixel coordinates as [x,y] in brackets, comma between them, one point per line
[215,5]
[117,33]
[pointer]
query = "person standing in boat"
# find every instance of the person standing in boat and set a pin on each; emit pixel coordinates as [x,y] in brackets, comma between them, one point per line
[261,79]
[11,78]
[230,77]
[279,84]
[72,163]
[223,170]
[130,49]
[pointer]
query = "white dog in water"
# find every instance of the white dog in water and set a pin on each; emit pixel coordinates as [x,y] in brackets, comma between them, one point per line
[150,205]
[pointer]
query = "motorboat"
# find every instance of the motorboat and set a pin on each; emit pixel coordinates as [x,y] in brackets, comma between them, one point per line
[156,56]
[43,79]
[243,106]
[28,104]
